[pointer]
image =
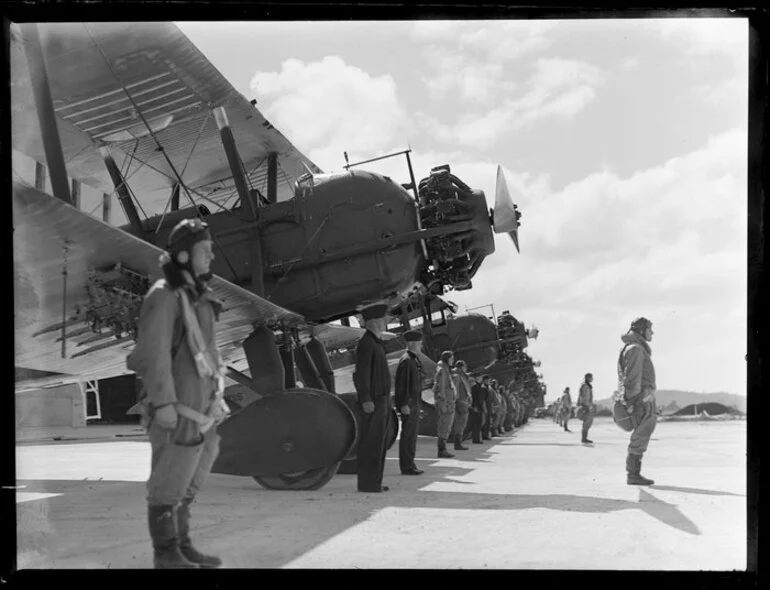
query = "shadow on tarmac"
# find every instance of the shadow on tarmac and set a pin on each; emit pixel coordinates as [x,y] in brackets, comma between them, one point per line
[96,521]
[694,491]
[551,444]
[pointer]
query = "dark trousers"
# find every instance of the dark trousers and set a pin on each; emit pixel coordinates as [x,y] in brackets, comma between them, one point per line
[371,445]
[475,420]
[407,445]
[485,425]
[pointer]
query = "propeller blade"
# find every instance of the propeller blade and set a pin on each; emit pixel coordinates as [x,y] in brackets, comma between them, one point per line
[505,215]
[515,237]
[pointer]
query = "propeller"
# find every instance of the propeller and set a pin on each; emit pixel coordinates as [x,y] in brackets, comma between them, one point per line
[505,216]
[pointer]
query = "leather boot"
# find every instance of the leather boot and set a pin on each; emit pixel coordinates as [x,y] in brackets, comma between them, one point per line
[585,438]
[633,469]
[442,452]
[165,542]
[185,545]
[459,443]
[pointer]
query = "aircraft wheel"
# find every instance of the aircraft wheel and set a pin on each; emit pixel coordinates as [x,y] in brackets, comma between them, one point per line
[289,440]
[312,479]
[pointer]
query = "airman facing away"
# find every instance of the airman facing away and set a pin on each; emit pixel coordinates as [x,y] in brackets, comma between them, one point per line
[566,408]
[445,396]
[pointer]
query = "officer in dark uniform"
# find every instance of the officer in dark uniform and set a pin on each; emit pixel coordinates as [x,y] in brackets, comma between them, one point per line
[409,375]
[485,393]
[477,409]
[372,382]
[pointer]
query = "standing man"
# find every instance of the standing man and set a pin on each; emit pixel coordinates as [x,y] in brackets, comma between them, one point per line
[445,397]
[566,408]
[372,382]
[177,359]
[493,405]
[503,410]
[485,401]
[636,387]
[463,387]
[585,404]
[409,375]
[476,416]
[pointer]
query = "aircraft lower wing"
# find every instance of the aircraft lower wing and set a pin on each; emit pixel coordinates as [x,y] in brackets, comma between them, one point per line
[344,375]
[107,273]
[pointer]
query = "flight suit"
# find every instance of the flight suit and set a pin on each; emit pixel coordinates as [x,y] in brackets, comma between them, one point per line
[636,382]
[462,405]
[566,409]
[445,397]
[409,375]
[372,382]
[493,406]
[502,410]
[181,459]
[586,401]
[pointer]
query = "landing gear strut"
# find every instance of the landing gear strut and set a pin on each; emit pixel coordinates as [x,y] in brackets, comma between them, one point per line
[284,438]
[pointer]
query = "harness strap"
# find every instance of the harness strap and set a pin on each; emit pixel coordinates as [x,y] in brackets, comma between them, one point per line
[204,420]
[203,362]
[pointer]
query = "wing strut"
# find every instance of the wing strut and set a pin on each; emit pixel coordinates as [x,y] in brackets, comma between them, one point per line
[123,195]
[228,141]
[272,176]
[42,92]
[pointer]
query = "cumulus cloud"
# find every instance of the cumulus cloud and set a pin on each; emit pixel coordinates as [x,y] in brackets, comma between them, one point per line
[557,88]
[328,107]
[668,242]
[475,83]
[489,40]
[470,63]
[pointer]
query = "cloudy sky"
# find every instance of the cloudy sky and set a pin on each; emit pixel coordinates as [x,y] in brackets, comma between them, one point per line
[624,141]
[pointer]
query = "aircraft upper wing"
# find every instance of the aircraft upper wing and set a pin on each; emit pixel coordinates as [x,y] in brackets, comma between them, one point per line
[46,230]
[93,68]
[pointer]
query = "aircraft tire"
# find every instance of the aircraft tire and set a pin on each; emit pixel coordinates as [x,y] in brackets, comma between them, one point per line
[312,479]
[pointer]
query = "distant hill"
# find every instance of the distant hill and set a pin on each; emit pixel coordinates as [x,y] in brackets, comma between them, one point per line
[666,398]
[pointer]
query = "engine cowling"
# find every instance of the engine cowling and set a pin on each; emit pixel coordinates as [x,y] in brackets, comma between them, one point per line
[453,258]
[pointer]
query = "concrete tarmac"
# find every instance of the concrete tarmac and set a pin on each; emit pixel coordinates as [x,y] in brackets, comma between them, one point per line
[536,499]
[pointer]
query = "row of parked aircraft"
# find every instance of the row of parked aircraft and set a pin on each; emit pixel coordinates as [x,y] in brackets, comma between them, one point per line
[135,109]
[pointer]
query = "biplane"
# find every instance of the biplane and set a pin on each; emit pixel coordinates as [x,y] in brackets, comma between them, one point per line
[494,347]
[137,111]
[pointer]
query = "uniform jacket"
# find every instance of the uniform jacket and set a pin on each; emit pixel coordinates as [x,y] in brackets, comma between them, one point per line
[162,356]
[566,401]
[408,380]
[463,388]
[586,395]
[503,402]
[636,374]
[444,388]
[372,375]
[479,396]
[493,400]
